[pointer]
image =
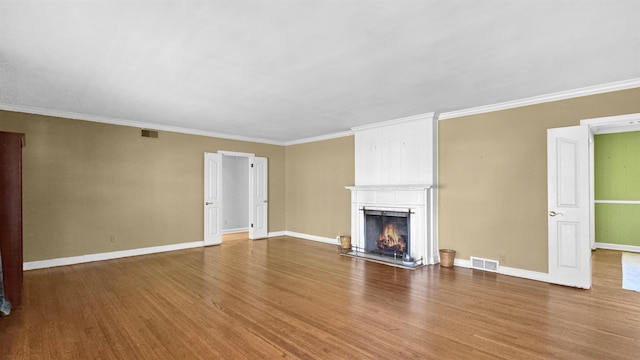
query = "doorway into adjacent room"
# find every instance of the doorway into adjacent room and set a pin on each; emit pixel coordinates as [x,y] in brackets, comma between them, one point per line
[235,195]
[572,201]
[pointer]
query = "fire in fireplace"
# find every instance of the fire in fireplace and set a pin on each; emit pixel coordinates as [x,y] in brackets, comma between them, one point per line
[387,232]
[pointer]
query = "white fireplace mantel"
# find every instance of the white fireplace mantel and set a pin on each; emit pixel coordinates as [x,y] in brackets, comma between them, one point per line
[414,198]
[396,169]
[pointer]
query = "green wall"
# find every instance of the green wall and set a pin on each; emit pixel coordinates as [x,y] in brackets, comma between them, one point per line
[617,177]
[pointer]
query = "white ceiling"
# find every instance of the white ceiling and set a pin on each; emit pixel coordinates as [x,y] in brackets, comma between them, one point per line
[287,70]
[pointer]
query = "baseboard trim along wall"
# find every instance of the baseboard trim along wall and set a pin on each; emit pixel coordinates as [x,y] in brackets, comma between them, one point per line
[503,270]
[630,248]
[322,239]
[277,233]
[42,264]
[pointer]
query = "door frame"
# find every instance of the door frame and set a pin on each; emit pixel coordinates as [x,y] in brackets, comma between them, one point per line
[597,126]
[250,190]
[244,155]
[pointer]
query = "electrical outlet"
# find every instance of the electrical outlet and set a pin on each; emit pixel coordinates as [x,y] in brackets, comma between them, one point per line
[503,259]
[112,238]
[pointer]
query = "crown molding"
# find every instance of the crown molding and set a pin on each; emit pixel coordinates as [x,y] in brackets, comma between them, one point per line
[562,95]
[319,138]
[431,115]
[138,124]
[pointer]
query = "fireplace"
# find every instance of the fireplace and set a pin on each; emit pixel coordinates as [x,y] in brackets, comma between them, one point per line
[396,174]
[387,233]
[392,225]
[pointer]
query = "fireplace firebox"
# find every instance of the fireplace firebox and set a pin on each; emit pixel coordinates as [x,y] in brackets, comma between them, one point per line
[391,225]
[387,233]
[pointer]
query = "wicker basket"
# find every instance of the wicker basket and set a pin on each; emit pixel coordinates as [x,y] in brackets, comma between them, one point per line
[446,257]
[345,243]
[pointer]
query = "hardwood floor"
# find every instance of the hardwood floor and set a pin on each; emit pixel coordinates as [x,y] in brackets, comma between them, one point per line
[291,298]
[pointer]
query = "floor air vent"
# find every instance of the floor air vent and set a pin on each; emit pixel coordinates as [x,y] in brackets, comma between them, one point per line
[484,264]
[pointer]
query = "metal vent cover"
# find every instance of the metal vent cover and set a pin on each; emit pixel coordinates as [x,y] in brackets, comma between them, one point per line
[484,264]
[149,133]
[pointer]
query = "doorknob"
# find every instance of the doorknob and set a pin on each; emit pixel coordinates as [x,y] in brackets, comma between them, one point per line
[265,201]
[208,203]
[553,213]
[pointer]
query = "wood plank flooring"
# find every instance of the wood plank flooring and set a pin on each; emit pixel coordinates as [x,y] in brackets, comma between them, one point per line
[297,299]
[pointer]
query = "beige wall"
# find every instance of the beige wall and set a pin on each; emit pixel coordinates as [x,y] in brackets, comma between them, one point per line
[85,182]
[493,176]
[317,202]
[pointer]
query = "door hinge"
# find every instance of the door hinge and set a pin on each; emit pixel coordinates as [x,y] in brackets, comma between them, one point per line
[251,165]
[251,225]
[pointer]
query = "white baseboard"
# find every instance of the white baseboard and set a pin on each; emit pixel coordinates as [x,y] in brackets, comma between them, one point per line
[277,233]
[462,263]
[525,274]
[41,264]
[503,270]
[630,248]
[322,239]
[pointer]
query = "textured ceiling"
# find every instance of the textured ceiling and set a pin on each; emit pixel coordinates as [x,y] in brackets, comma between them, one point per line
[287,70]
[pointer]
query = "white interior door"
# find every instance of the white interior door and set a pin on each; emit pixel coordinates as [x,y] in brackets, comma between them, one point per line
[212,199]
[569,206]
[258,201]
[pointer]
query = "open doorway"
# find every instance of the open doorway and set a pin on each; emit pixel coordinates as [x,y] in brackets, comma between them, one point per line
[235,195]
[216,215]
[616,197]
[570,171]
[617,191]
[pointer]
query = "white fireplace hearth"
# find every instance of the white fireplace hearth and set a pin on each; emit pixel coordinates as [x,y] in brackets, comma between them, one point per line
[414,199]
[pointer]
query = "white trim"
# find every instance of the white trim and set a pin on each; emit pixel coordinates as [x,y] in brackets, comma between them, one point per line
[561,95]
[430,115]
[613,124]
[277,233]
[138,124]
[41,264]
[608,120]
[630,202]
[525,274]
[322,239]
[509,271]
[462,263]
[319,138]
[235,153]
[619,247]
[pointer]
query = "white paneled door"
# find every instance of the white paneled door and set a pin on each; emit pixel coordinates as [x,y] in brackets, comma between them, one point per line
[569,206]
[212,199]
[258,198]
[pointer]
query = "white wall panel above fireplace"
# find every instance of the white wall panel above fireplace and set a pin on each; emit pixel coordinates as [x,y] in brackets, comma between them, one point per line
[397,152]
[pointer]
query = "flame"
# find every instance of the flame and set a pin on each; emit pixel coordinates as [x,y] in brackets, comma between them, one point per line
[389,239]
